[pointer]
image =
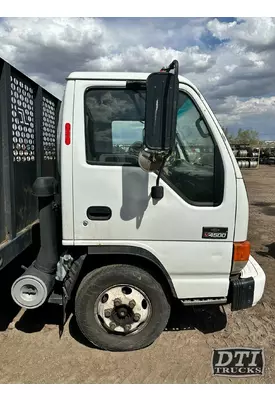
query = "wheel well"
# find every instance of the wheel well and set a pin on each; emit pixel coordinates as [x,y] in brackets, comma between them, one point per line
[95,261]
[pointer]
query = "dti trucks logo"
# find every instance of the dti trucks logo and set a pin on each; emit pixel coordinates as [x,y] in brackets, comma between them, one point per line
[238,362]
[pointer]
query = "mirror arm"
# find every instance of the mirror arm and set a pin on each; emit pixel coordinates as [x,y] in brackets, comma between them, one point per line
[161,167]
[157,191]
[174,65]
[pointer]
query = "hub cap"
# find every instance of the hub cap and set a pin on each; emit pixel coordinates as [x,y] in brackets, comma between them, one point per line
[123,309]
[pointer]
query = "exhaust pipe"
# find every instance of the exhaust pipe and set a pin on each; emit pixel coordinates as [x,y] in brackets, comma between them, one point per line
[33,288]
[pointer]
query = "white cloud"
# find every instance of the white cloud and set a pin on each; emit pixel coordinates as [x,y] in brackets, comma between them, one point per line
[49,49]
[138,58]
[221,30]
[233,109]
[257,34]
[241,67]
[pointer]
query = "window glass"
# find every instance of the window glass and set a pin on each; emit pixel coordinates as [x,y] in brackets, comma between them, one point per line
[114,135]
[191,168]
[114,125]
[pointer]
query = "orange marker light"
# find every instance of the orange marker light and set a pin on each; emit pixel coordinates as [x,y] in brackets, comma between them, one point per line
[241,251]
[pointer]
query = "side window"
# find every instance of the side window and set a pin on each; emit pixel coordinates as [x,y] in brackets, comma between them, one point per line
[195,169]
[114,123]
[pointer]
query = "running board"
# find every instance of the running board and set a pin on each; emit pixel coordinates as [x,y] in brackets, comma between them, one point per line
[195,302]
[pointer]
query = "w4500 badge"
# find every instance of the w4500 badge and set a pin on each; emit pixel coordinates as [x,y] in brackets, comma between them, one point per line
[214,233]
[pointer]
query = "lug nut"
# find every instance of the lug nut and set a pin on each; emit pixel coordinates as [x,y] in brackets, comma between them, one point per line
[127,328]
[136,317]
[112,326]
[117,302]
[107,313]
[132,303]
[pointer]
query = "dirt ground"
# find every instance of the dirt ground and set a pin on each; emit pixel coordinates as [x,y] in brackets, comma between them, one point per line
[31,351]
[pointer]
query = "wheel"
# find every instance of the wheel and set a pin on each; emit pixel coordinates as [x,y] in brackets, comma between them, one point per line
[121,308]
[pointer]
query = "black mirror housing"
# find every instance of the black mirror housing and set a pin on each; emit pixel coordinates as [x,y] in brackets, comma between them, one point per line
[162,90]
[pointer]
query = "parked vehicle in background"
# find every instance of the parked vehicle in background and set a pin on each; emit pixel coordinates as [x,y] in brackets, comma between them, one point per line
[267,155]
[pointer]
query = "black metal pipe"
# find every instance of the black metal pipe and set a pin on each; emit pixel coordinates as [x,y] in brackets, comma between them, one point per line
[48,255]
[36,284]
[45,188]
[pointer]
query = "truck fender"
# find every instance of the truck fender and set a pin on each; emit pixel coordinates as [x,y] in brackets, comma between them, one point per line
[140,254]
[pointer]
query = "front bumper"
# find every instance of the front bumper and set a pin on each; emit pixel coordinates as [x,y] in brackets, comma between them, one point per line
[247,290]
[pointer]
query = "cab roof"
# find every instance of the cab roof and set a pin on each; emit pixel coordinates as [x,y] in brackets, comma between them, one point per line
[118,76]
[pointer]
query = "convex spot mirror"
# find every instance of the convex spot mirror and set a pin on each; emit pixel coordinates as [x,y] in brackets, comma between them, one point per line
[162,90]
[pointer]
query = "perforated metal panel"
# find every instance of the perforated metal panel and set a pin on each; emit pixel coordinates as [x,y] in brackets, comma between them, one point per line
[22,110]
[49,129]
[24,155]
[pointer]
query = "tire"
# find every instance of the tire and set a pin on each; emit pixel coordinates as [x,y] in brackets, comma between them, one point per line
[90,294]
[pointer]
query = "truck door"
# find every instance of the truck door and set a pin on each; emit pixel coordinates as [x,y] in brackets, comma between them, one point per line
[191,229]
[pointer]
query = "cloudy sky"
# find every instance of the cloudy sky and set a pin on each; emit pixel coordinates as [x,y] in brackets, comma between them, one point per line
[231,60]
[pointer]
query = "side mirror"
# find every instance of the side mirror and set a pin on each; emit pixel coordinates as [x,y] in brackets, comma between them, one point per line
[162,90]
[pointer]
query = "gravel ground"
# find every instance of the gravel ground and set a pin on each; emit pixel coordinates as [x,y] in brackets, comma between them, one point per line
[31,351]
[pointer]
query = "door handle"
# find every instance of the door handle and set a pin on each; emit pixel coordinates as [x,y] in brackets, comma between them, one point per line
[99,213]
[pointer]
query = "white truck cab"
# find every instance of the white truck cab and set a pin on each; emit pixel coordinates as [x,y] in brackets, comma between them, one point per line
[149,213]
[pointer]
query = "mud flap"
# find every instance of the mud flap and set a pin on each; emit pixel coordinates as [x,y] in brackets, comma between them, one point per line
[67,288]
[64,313]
